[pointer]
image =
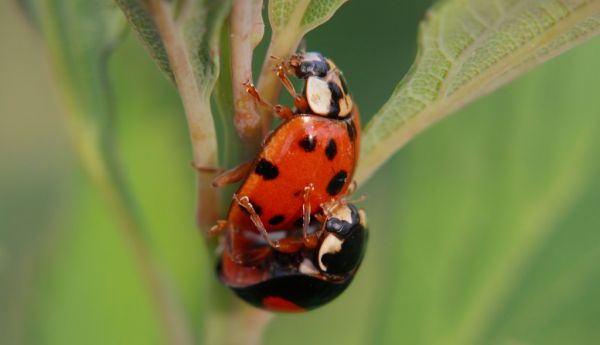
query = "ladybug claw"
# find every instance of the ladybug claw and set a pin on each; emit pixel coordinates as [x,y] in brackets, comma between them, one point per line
[231,176]
[288,245]
[217,228]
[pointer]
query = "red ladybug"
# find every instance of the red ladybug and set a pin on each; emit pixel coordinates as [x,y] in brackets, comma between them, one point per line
[306,279]
[308,160]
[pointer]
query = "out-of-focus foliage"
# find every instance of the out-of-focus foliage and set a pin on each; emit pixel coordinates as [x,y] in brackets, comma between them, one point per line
[183,38]
[469,48]
[483,230]
[200,25]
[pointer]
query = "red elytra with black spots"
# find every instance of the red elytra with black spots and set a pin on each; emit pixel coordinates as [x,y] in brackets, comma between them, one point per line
[307,149]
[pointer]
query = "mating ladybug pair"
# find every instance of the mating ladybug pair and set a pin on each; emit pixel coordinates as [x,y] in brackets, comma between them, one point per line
[293,242]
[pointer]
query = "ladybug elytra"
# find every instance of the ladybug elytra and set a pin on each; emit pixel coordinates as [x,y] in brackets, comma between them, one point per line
[307,279]
[306,161]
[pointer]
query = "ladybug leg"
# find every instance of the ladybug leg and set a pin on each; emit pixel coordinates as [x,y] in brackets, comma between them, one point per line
[310,241]
[238,248]
[300,101]
[218,228]
[322,218]
[345,199]
[232,176]
[244,201]
[282,111]
[237,254]
[233,241]
[285,245]
[282,75]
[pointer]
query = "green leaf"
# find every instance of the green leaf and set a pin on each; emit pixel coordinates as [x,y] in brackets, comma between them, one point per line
[142,22]
[491,233]
[201,34]
[188,32]
[183,37]
[467,49]
[290,21]
[80,49]
[80,35]
[297,17]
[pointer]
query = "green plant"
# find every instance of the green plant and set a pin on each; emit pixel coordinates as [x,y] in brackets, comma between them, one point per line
[467,49]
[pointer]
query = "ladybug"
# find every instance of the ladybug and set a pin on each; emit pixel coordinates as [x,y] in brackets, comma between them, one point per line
[325,89]
[308,160]
[307,279]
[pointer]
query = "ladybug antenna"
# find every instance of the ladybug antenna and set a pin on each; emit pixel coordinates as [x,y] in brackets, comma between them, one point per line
[351,188]
[361,198]
[346,199]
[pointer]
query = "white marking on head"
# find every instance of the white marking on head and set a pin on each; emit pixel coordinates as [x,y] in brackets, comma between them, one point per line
[318,95]
[312,56]
[331,245]
[342,212]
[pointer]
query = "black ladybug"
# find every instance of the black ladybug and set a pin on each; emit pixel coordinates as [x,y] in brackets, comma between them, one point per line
[307,279]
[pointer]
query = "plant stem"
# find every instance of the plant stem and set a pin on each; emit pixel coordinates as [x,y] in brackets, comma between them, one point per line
[246,31]
[239,39]
[197,109]
[238,324]
[284,42]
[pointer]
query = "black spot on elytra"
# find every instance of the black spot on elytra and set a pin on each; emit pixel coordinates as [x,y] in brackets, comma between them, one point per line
[336,95]
[277,219]
[331,150]
[337,182]
[266,169]
[344,85]
[351,130]
[308,143]
[257,209]
[299,222]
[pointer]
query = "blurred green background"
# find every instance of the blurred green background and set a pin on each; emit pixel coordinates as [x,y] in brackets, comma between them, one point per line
[484,230]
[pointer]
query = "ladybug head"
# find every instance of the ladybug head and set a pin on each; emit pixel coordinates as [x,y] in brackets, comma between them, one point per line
[309,64]
[325,88]
[344,241]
